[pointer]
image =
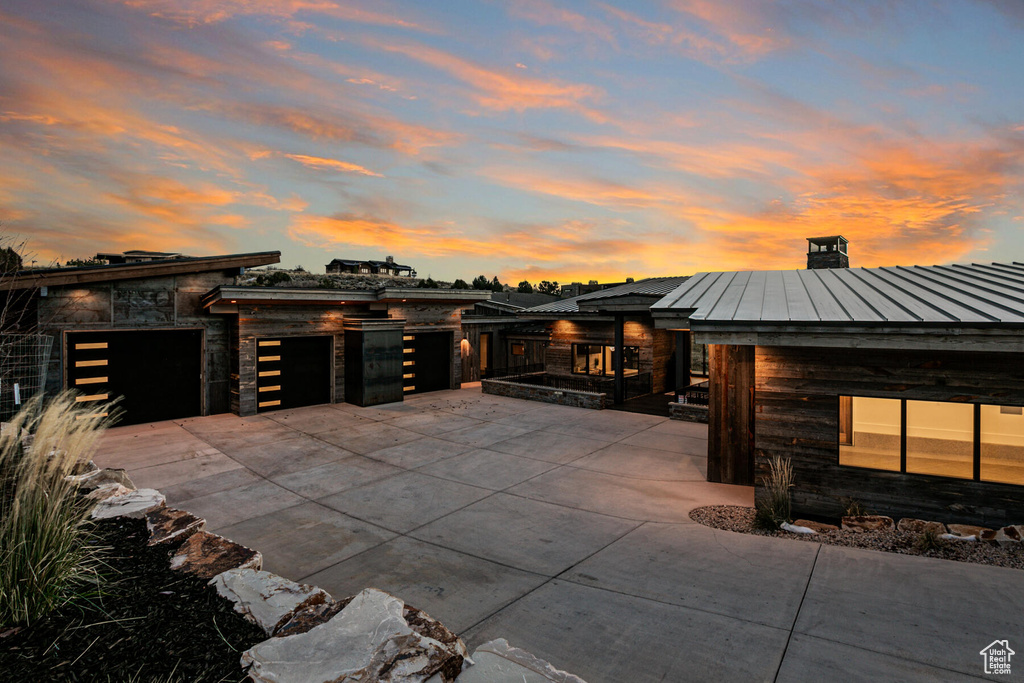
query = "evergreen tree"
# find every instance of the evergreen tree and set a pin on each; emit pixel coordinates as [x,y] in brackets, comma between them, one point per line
[525,287]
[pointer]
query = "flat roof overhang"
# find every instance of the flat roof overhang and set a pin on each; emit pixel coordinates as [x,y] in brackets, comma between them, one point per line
[57,277]
[225,295]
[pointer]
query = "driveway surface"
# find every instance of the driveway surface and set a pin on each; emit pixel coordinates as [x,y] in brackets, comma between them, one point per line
[567,532]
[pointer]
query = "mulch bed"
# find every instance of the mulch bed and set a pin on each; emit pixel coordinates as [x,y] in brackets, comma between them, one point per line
[741,519]
[150,624]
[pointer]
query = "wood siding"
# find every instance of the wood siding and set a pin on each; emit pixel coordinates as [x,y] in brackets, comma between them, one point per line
[731,414]
[796,409]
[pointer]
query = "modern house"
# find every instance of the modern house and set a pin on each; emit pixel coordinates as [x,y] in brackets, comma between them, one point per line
[609,335]
[899,388]
[495,339]
[179,337]
[356,267]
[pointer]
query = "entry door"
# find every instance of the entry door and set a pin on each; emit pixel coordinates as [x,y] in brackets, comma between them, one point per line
[292,372]
[428,362]
[486,354]
[157,373]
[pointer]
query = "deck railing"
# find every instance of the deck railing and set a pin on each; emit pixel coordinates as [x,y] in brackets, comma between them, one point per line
[695,394]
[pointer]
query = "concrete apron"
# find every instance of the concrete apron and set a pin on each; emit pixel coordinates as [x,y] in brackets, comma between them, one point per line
[567,532]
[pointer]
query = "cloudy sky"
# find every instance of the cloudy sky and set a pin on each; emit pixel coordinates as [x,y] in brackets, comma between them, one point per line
[538,139]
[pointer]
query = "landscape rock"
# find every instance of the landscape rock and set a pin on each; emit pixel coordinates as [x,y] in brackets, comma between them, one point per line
[919,526]
[97,478]
[796,528]
[309,617]
[820,527]
[499,662]
[167,525]
[1005,536]
[134,504]
[266,599]
[868,523]
[367,641]
[967,530]
[206,555]
[107,491]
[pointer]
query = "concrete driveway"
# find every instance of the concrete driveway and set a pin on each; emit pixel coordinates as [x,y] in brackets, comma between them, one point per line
[567,532]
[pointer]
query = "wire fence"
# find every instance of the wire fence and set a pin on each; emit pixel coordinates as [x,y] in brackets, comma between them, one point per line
[23,362]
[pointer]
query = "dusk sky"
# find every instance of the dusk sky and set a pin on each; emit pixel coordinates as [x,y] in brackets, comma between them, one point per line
[535,139]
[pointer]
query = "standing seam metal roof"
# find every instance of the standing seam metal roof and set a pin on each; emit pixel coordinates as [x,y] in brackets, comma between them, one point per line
[652,286]
[975,294]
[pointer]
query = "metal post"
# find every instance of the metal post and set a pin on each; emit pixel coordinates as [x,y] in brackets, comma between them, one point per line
[618,356]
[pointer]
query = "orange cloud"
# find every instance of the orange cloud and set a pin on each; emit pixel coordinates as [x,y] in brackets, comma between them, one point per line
[505,90]
[320,163]
[197,12]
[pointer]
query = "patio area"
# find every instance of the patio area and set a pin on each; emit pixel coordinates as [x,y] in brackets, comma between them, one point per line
[565,531]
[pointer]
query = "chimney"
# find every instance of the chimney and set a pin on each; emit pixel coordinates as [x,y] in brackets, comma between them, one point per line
[390,260]
[827,252]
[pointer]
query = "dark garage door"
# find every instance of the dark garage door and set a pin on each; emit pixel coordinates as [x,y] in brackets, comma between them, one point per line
[158,373]
[428,362]
[292,372]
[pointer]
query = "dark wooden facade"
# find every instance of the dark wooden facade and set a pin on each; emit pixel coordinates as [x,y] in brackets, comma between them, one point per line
[731,414]
[796,410]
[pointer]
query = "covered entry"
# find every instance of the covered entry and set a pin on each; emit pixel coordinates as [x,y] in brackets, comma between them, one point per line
[159,373]
[293,371]
[427,362]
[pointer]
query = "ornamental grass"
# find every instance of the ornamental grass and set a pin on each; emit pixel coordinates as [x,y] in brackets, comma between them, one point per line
[47,552]
[774,506]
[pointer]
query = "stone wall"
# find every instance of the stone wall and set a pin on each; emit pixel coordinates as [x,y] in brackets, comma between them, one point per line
[531,392]
[688,412]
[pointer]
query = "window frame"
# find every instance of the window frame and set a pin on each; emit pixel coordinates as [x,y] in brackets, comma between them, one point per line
[574,353]
[976,442]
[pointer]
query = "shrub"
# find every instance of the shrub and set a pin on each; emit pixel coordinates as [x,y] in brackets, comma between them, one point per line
[773,508]
[929,540]
[45,532]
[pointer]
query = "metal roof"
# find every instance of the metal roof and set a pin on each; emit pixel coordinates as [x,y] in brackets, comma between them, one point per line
[957,295]
[652,286]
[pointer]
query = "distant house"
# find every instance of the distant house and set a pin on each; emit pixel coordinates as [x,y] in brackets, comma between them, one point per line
[137,256]
[358,267]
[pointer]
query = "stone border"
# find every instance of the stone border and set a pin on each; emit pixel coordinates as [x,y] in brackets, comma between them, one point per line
[688,412]
[532,392]
[372,636]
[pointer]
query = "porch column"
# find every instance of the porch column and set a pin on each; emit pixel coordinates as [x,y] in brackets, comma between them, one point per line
[731,414]
[620,377]
[682,359]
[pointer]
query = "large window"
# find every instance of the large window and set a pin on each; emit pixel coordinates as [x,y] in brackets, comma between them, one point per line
[597,359]
[961,440]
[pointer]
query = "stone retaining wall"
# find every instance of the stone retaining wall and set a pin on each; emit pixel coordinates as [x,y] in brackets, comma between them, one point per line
[533,392]
[688,412]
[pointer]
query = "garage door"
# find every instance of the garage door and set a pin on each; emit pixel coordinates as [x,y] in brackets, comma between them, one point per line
[158,373]
[293,371]
[428,362]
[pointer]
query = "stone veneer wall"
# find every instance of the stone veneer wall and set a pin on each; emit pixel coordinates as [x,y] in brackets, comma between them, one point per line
[531,392]
[688,412]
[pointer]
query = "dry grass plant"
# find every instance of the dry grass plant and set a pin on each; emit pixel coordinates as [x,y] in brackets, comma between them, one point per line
[774,506]
[45,533]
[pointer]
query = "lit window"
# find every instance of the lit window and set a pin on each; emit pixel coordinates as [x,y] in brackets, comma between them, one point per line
[1002,444]
[869,432]
[596,359]
[940,439]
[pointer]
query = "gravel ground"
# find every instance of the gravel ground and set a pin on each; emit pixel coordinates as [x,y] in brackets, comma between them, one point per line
[741,519]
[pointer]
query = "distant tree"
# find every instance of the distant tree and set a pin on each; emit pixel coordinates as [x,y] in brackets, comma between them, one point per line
[546,287]
[275,278]
[299,269]
[496,285]
[428,284]
[460,284]
[525,287]
[79,262]
[481,282]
